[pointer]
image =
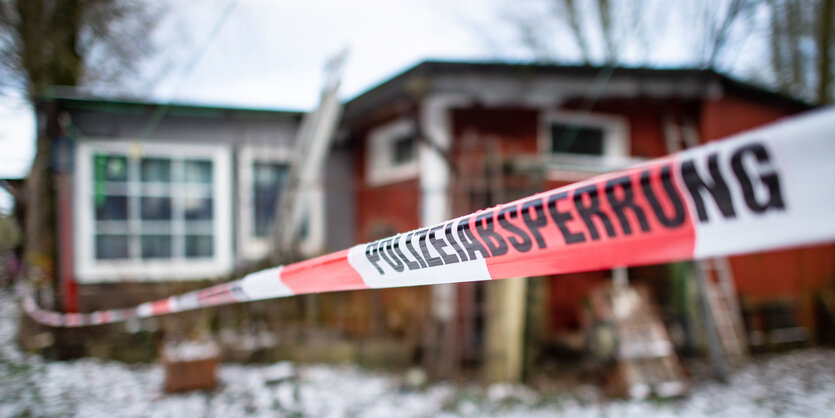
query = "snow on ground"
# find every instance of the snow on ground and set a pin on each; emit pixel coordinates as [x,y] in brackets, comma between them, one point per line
[799,384]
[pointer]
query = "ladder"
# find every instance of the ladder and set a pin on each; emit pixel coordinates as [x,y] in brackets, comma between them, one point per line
[722,316]
[300,211]
[724,307]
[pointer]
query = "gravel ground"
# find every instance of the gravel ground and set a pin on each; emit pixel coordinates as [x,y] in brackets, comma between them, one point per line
[797,384]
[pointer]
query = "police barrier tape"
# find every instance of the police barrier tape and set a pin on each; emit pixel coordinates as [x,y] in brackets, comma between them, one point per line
[767,188]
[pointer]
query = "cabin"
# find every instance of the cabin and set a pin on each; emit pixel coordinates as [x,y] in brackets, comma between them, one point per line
[444,139]
[154,196]
[155,199]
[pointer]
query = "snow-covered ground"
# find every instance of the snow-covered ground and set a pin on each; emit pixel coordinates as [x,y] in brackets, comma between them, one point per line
[799,384]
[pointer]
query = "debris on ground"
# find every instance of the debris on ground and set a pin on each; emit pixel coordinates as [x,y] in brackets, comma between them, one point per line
[797,384]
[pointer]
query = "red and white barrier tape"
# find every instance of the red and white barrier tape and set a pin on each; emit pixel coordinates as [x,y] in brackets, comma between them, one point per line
[767,188]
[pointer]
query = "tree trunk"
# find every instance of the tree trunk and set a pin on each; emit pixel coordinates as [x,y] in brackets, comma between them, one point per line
[825,37]
[49,34]
[39,239]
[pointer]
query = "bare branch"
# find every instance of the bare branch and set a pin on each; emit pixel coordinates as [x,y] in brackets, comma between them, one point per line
[825,39]
[573,16]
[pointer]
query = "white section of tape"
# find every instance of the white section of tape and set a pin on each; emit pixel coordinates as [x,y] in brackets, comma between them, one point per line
[801,151]
[467,271]
[183,302]
[265,284]
[173,304]
[144,310]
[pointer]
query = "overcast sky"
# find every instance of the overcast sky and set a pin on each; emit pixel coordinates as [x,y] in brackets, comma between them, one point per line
[270,53]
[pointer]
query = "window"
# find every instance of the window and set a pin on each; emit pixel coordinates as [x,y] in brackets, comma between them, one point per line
[392,153]
[573,139]
[268,179]
[172,216]
[263,172]
[151,211]
[404,149]
[582,142]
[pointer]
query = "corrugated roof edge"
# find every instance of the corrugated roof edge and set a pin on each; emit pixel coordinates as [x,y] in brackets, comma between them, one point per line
[395,85]
[74,98]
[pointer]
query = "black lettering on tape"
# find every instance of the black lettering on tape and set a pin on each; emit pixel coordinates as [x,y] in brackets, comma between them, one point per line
[431,260]
[672,194]
[469,241]
[494,242]
[451,239]
[587,212]
[716,187]
[769,179]
[412,265]
[537,223]
[620,206]
[412,251]
[439,245]
[560,218]
[388,256]
[373,256]
[523,242]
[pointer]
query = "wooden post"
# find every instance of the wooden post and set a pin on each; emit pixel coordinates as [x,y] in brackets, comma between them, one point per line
[443,361]
[505,328]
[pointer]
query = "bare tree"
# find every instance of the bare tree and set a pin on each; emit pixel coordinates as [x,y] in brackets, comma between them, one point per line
[826,35]
[800,34]
[718,19]
[73,42]
[796,36]
[608,30]
[573,18]
[45,43]
[601,31]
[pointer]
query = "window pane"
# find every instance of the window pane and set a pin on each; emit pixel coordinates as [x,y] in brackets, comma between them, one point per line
[156,208]
[111,247]
[270,175]
[199,246]
[268,181]
[110,168]
[155,170]
[404,149]
[198,208]
[197,171]
[573,139]
[156,246]
[111,208]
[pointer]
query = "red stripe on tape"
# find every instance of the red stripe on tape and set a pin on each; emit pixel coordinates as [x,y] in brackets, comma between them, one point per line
[216,295]
[321,274]
[160,307]
[637,216]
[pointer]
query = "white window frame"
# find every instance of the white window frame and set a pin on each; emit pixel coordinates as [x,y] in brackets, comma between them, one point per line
[90,270]
[615,144]
[380,169]
[250,246]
